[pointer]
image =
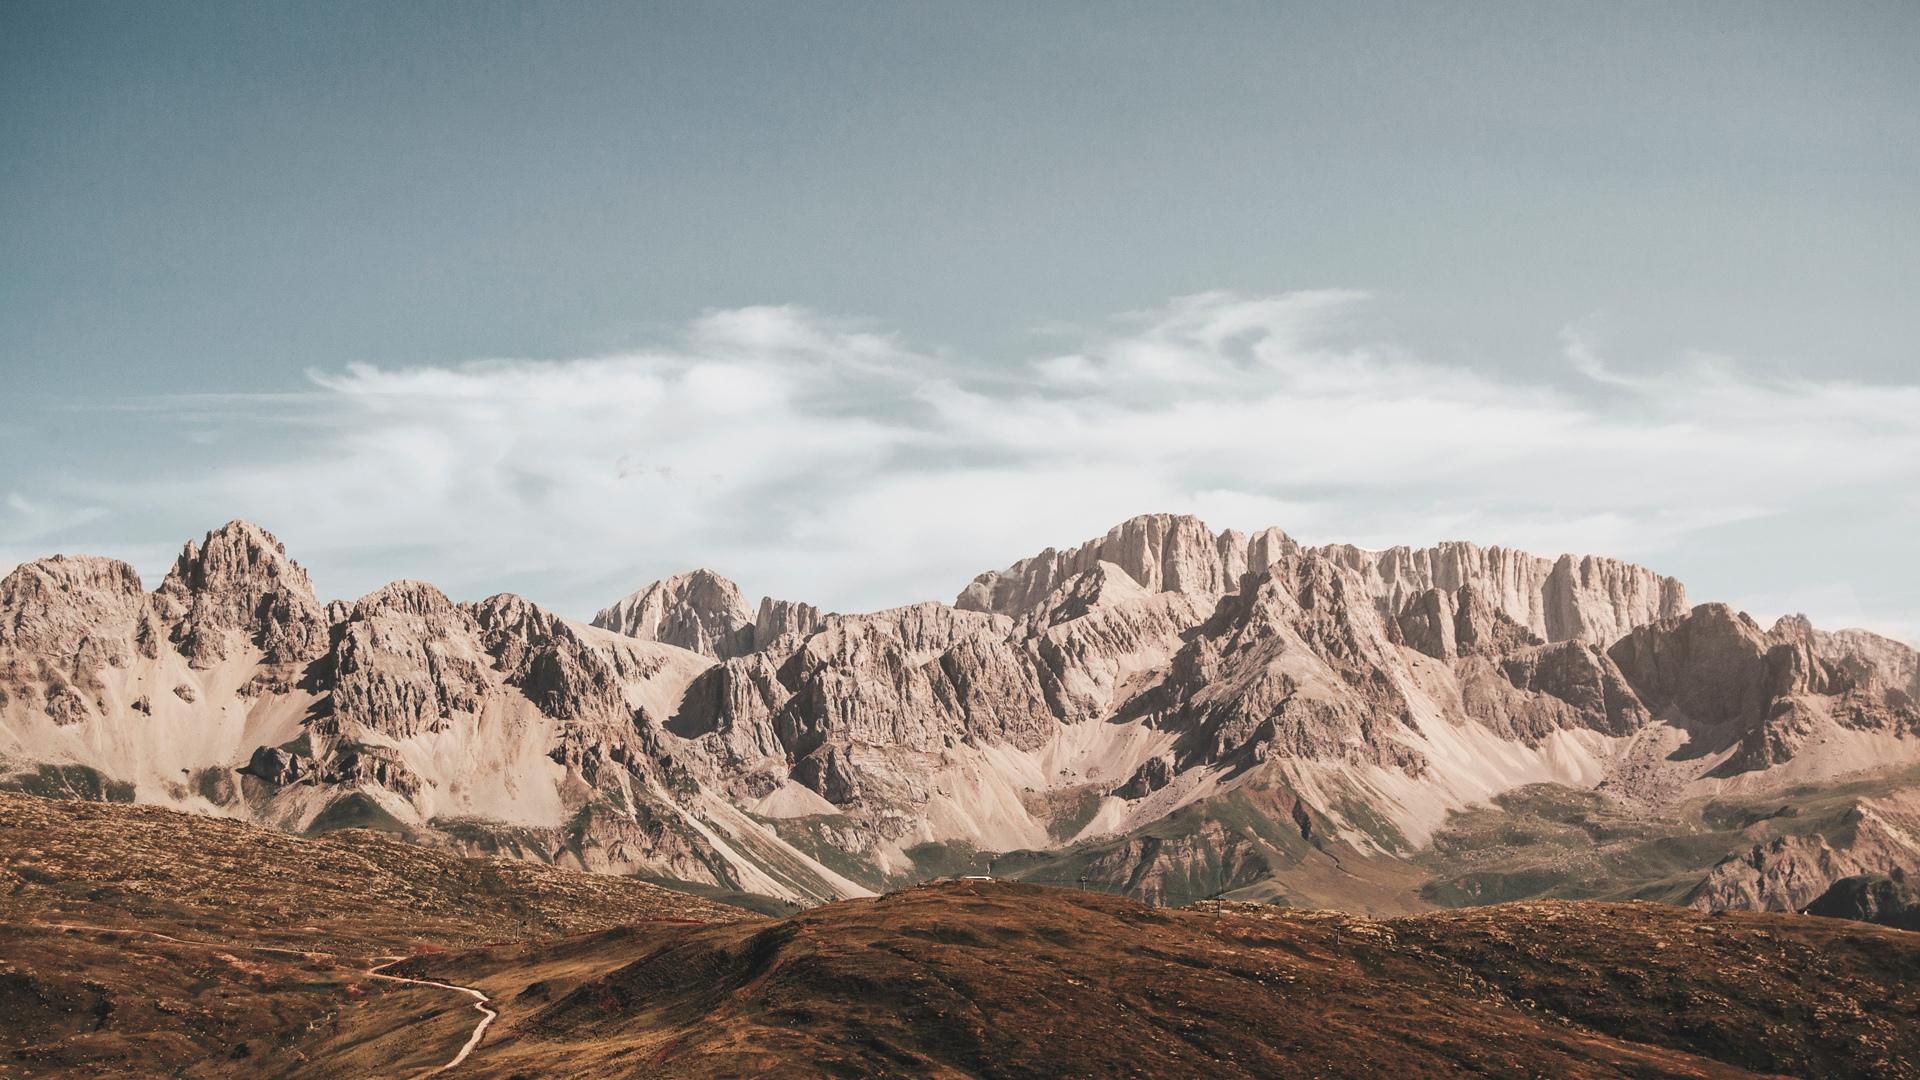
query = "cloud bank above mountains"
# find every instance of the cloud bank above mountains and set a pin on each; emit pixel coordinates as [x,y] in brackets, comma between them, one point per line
[830,460]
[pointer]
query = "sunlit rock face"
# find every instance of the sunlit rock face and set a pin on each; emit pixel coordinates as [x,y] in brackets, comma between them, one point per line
[1164,710]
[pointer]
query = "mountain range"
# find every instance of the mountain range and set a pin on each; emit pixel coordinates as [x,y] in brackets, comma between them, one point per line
[1165,712]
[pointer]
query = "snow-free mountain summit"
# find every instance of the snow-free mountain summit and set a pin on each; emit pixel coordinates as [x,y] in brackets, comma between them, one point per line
[1163,711]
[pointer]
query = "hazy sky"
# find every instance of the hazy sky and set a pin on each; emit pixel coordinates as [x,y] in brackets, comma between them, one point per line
[853,301]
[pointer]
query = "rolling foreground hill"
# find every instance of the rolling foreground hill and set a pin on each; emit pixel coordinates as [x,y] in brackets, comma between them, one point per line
[1003,980]
[144,942]
[1163,712]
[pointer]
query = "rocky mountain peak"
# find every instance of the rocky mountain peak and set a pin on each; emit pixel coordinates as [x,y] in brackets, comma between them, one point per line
[239,583]
[64,621]
[238,554]
[699,610]
[1862,658]
[406,597]
[549,660]
[1763,692]
[1102,585]
[49,605]
[1711,664]
[778,618]
[1586,599]
[1160,552]
[405,661]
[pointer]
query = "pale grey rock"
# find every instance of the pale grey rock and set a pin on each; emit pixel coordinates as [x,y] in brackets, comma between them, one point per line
[690,737]
[1449,624]
[782,620]
[1566,599]
[1297,661]
[239,586]
[699,611]
[1160,552]
[405,662]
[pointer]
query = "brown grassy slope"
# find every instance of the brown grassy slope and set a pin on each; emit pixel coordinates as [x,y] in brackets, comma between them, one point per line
[192,876]
[85,1004]
[279,931]
[1002,980]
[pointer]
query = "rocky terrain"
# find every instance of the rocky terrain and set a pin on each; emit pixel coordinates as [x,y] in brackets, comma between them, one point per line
[1166,712]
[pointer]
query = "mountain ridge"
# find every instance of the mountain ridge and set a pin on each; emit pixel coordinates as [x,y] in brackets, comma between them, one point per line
[1296,712]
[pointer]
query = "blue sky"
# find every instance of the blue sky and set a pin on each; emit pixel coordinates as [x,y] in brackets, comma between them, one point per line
[1635,279]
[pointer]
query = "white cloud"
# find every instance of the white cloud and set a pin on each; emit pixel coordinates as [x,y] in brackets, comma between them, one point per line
[819,459]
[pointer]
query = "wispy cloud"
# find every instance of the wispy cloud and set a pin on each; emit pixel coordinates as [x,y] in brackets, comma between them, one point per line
[824,459]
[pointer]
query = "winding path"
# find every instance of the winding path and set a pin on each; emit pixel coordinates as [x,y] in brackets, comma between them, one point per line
[481,1002]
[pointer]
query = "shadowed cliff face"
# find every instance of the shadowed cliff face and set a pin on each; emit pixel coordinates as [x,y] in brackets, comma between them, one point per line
[1876,898]
[1763,693]
[1153,712]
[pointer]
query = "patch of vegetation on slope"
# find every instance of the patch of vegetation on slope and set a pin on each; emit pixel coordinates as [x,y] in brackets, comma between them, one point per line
[141,941]
[68,782]
[810,836]
[1549,840]
[1252,843]
[996,979]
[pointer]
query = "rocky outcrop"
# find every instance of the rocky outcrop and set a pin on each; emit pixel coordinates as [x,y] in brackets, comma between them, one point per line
[1785,874]
[1761,694]
[907,677]
[829,770]
[64,609]
[1874,681]
[63,621]
[1447,625]
[1870,661]
[564,675]
[1875,898]
[239,587]
[1296,664]
[1566,599]
[278,765]
[1876,836]
[1178,870]
[699,611]
[1150,777]
[785,620]
[1097,636]
[406,662]
[1160,552]
[1578,676]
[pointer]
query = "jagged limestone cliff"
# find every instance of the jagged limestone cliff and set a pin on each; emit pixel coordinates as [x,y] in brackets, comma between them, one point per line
[1116,714]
